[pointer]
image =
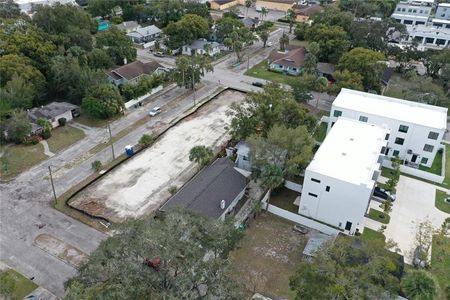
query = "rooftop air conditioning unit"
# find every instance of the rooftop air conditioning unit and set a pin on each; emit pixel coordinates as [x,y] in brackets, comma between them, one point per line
[409,151]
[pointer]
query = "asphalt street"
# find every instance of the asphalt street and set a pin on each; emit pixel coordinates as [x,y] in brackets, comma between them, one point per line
[25,209]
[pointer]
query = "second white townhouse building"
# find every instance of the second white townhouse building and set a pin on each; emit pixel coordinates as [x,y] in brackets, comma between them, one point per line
[416,129]
[339,181]
[413,12]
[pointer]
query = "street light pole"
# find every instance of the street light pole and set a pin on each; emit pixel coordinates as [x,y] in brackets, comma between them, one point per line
[51,180]
[111,142]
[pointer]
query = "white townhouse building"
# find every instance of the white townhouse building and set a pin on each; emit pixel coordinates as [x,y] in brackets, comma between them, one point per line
[429,37]
[442,16]
[413,12]
[416,129]
[339,181]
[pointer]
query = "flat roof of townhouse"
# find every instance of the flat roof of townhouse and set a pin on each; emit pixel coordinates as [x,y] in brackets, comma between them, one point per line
[350,151]
[392,108]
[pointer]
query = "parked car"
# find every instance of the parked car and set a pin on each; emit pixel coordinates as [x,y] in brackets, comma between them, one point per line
[383,194]
[269,44]
[258,84]
[158,54]
[155,110]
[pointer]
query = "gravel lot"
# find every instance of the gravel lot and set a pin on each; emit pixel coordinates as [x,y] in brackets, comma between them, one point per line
[141,184]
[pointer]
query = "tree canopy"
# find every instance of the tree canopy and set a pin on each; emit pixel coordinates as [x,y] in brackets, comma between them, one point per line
[103,101]
[118,46]
[348,269]
[189,28]
[179,255]
[367,63]
[332,40]
[190,69]
[262,110]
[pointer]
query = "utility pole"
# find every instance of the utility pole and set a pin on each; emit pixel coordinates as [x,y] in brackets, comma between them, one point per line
[111,142]
[51,180]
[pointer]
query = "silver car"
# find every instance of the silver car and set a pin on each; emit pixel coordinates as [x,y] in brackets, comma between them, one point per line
[155,110]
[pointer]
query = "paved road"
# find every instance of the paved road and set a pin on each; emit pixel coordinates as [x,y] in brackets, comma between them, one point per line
[25,210]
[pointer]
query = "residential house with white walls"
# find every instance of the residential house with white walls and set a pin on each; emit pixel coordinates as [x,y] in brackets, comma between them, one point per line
[416,128]
[339,181]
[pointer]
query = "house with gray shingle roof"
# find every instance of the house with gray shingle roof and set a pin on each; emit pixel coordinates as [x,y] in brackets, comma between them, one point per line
[213,192]
[200,47]
[52,112]
[145,34]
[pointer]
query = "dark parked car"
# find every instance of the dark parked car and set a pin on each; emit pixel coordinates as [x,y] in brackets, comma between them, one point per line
[258,84]
[383,194]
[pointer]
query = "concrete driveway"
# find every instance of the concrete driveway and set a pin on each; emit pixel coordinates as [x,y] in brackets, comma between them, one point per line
[414,204]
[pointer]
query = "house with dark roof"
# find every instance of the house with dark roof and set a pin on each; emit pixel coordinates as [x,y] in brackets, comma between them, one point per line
[52,112]
[304,12]
[213,192]
[288,62]
[132,72]
[251,23]
[326,70]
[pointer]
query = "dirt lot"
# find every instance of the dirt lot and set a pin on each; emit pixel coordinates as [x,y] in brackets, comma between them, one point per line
[141,184]
[267,256]
[61,250]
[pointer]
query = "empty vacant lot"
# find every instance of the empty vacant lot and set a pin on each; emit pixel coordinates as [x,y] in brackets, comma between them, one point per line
[140,185]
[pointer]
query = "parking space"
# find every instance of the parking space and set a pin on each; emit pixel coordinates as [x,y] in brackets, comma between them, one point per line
[414,204]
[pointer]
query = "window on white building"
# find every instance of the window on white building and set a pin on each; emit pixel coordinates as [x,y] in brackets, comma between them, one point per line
[424,160]
[315,180]
[428,148]
[399,141]
[312,195]
[403,128]
[337,113]
[433,135]
[395,153]
[387,136]
[363,119]
[327,189]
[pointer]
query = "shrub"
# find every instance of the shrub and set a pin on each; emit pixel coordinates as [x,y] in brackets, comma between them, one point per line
[34,140]
[62,121]
[146,140]
[97,165]
[46,127]
[173,189]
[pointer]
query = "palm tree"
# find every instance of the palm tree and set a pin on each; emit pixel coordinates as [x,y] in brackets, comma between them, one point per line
[290,16]
[264,12]
[264,35]
[284,41]
[419,285]
[201,155]
[248,4]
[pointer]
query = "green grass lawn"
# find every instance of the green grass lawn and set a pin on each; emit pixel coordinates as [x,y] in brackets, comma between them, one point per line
[62,137]
[440,201]
[436,167]
[321,132]
[89,121]
[379,216]
[440,261]
[260,71]
[16,285]
[18,158]
[446,182]
[370,235]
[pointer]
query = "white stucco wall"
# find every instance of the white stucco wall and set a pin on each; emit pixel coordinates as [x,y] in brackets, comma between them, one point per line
[345,202]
